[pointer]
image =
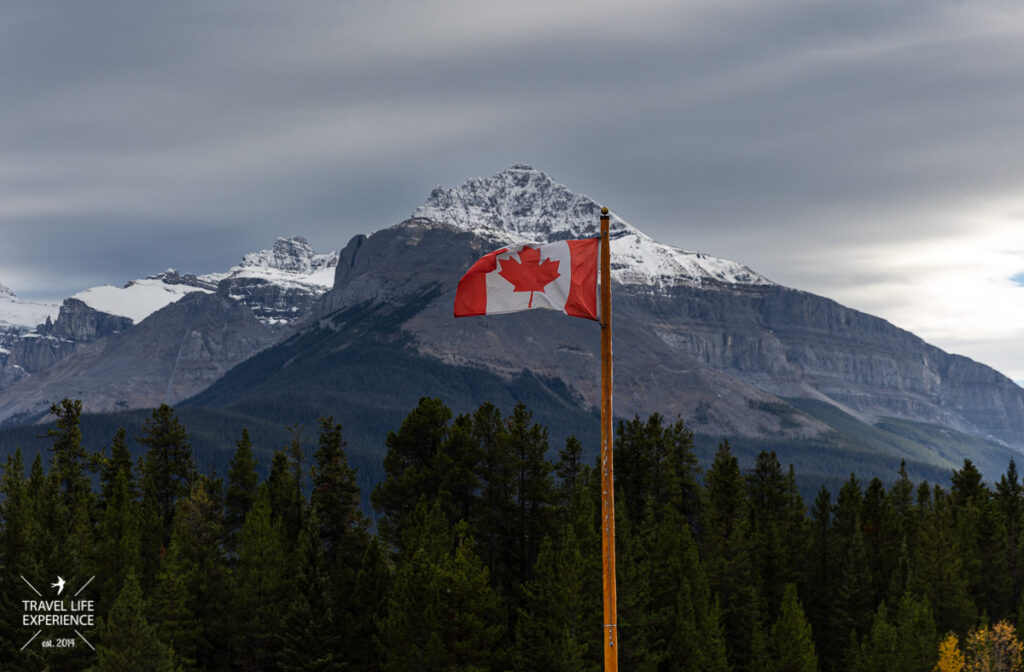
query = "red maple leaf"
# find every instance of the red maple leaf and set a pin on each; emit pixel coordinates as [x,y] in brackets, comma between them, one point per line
[529,274]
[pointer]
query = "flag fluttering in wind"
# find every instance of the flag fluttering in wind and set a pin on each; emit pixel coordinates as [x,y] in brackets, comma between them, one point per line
[559,276]
[564,276]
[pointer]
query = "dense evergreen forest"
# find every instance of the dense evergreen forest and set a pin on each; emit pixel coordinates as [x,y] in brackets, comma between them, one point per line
[485,556]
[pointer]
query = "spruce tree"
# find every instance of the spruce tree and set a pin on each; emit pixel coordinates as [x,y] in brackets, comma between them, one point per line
[336,497]
[495,520]
[17,540]
[241,493]
[880,648]
[286,499]
[726,528]
[262,596]
[410,466]
[310,641]
[915,632]
[69,461]
[792,647]
[120,460]
[534,488]
[118,545]
[554,631]
[127,641]
[168,470]
[191,606]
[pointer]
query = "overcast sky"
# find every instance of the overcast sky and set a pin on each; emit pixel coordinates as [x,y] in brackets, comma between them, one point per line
[866,151]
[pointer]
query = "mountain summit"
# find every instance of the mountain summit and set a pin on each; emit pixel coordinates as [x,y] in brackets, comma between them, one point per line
[523,204]
[289,335]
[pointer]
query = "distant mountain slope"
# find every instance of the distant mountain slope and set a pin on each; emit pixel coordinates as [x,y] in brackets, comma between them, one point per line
[171,355]
[696,337]
[704,339]
[279,287]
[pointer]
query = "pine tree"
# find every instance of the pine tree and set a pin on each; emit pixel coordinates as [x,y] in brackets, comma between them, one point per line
[494,525]
[286,499]
[534,488]
[554,630]
[118,546]
[792,647]
[1009,501]
[915,632]
[168,470]
[336,498]
[367,606]
[242,482]
[69,460]
[310,641]
[410,467]
[17,539]
[262,580]
[409,637]
[726,529]
[127,642]
[469,617]
[193,592]
[880,648]
[120,460]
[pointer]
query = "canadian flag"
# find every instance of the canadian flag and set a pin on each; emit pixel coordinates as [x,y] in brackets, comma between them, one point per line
[559,276]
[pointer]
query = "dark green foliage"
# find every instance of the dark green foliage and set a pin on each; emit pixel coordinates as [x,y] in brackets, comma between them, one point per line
[168,470]
[127,641]
[791,646]
[411,466]
[336,498]
[120,460]
[68,464]
[242,482]
[442,613]
[309,636]
[262,587]
[489,555]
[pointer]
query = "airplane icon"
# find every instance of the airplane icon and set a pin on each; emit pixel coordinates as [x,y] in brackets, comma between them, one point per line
[59,585]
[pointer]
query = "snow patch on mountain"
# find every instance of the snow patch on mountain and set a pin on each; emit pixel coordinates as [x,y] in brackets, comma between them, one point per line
[290,255]
[523,204]
[21,314]
[137,300]
[291,264]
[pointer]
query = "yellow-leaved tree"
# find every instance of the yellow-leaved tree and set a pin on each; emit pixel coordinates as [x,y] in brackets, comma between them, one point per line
[951,659]
[994,649]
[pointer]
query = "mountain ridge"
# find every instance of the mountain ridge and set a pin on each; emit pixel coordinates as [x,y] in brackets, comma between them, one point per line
[700,338]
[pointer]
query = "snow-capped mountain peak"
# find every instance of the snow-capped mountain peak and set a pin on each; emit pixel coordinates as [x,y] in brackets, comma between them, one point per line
[523,204]
[294,255]
[292,270]
[21,314]
[520,203]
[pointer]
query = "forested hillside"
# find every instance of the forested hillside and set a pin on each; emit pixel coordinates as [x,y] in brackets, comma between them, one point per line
[486,556]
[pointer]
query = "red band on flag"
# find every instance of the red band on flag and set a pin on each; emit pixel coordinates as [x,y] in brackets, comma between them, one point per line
[582,301]
[471,294]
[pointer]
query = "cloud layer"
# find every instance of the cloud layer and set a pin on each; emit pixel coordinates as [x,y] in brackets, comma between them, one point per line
[865,151]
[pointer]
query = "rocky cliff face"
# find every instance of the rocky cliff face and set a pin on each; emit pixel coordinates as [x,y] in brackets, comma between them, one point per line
[76,325]
[697,336]
[173,354]
[280,285]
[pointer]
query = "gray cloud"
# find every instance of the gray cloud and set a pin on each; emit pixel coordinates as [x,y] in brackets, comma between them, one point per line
[788,135]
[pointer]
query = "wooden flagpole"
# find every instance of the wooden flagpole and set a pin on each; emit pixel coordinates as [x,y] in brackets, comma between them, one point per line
[611,635]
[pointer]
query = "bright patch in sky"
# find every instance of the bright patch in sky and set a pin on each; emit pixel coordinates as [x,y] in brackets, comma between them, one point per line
[962,292]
